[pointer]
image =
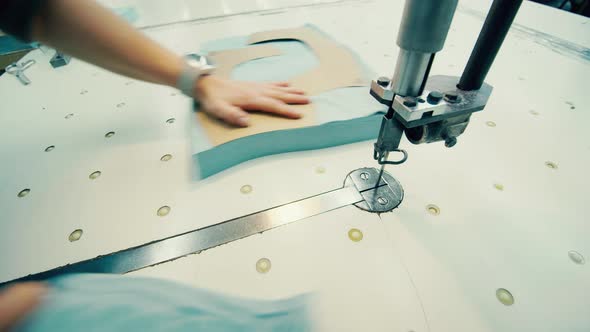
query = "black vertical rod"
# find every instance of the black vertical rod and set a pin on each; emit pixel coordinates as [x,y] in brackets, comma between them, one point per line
[488,43]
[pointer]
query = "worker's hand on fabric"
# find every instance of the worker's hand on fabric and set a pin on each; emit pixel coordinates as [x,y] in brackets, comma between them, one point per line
[229,100]
[17,301]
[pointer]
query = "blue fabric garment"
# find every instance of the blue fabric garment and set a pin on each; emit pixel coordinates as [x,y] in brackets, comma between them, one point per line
[100,302]
[351,109]
[317,137]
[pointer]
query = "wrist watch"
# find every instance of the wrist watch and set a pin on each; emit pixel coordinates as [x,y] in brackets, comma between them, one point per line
[195,67]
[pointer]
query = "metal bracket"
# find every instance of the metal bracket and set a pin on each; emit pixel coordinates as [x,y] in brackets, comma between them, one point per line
[59,60]
[441,100]
[441,113]
[382,90]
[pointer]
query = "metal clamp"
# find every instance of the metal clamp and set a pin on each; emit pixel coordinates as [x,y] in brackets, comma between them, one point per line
[18,70]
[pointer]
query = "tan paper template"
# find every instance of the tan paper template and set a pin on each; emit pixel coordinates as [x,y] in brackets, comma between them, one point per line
[338,68]
[226,60]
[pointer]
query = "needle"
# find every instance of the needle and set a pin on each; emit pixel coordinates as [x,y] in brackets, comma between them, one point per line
[385,156]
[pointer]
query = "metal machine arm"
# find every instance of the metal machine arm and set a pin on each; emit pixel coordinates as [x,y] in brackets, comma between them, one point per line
[436,108]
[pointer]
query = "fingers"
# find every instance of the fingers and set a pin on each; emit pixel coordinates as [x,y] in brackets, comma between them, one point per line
[292,90]
[286,87]
[229,100]
[286,97]
[280,84]
[229,114]
[275,106]
[17,301]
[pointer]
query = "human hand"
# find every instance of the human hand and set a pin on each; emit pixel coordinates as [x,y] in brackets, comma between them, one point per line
[17,301]
[229,100]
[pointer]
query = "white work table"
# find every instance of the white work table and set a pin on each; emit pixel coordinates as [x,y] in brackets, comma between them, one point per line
[506,219]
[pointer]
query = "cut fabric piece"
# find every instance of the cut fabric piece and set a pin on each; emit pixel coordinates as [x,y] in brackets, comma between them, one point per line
[101,302]
[219,132]
[337,68]
[247,148]
[340,104]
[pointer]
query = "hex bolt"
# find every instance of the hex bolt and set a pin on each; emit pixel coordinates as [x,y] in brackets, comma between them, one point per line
[383,81]
[452,97]
[434,97]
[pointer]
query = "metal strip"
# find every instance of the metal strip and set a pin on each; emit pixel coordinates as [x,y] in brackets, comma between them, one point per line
[167,249]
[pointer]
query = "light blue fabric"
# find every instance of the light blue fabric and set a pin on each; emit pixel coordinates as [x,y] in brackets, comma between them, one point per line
[296,58]
[9,44]
[100,302]
[353,106]
[317,137]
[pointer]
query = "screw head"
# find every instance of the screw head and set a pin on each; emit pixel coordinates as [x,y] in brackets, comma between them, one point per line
[364,176]
[382,200]
[410,102]
[434,97]
[383,81]
[452,97]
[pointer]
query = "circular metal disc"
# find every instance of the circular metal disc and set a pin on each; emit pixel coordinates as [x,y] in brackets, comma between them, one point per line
[378,198]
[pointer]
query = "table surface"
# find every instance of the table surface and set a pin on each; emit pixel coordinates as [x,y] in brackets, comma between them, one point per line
[506,219]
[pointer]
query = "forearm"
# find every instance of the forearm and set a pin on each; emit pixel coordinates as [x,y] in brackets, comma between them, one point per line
[85,30]
[88,31]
